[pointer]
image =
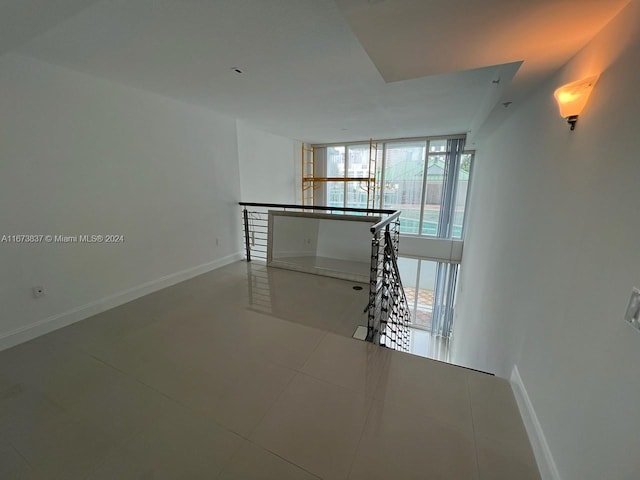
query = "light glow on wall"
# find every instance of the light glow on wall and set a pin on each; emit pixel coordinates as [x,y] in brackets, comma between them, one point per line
[573,97]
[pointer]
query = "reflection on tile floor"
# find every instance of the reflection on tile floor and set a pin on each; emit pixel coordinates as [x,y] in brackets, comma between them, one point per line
[199,380]
[263,285]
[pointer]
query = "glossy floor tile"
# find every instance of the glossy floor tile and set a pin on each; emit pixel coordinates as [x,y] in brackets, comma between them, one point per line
[248,373]
[12,464]
[439,390]
[179,444]
[66,449]
[252,461]
[399,442]
[347,362]
[316,425]
[505,461]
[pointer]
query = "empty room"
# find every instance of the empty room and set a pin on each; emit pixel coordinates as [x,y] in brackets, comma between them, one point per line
[319,239]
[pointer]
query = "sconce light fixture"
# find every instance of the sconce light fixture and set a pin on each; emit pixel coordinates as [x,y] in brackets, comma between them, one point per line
[572,98]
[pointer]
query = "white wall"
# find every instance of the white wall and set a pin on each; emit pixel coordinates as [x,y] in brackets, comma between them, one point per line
[438,249]
[345,240]
[294,236]
[267,166]
[299,236]
[82,155]
[551,254]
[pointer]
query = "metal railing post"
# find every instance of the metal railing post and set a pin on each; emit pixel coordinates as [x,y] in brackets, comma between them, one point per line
[245,215]
[389,291]
[373,288]
[400,318]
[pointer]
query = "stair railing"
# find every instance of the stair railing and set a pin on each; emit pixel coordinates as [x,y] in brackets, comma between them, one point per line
[389,315]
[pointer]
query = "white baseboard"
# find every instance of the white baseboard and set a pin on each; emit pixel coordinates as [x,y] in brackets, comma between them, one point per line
[544,458]
[54,322]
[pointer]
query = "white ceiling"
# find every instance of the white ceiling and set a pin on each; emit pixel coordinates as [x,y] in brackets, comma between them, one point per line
[415,38]
[307,75]
[21,20]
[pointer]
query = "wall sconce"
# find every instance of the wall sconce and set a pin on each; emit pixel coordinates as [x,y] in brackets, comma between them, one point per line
[572,98]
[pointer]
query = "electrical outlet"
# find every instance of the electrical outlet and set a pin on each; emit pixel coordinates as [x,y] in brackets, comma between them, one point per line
[39,292]
[633,309]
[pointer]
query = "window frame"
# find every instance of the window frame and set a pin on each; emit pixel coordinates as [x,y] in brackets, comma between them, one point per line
[453,153]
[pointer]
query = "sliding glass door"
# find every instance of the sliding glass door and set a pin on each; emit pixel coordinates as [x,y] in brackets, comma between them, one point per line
[430,288]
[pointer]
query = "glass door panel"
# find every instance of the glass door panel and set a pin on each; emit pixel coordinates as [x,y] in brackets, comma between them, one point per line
[358,161]
[436,173]
[426,289]
[430,289]
[335,161]
[335,194]
[461,195]
[403,180]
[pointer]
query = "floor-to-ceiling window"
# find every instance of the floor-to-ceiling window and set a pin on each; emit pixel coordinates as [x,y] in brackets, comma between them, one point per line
[429,286]
[402,182]
[345,164]
[427,179]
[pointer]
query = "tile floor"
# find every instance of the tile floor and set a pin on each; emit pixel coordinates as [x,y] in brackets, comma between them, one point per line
[197,381]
